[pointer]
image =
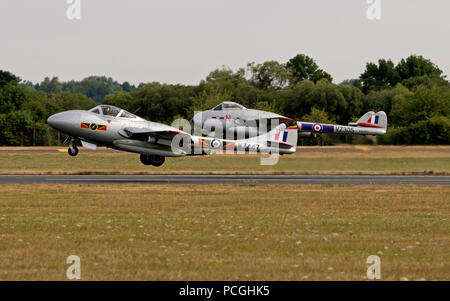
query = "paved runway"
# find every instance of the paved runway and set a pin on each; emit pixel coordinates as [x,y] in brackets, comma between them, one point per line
[300,149]
[225,179]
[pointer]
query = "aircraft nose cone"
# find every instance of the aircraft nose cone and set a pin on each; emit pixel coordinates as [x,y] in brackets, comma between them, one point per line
[64,121]
[57,120]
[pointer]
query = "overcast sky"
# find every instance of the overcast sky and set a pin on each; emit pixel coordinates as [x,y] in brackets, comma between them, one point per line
[181,41]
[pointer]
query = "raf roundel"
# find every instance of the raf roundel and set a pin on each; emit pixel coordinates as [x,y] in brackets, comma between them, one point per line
[317,127]
[216,143]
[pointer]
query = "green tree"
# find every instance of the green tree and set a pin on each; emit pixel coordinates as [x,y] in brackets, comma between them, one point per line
[16,128]
[269,75]
[385,74]
[293,101]
[50,85]
[122,100]
[414,82]
[94,87]
[6,77]
[349,82]
[11,97]
[221,80]
[206,100]
[435,130]
[160,103]
[355,99]
[302,67]
[320,116]
[417,65]
[424,104]
[327,96]
[225,75]
[127,87]
[383,100]
[381,76]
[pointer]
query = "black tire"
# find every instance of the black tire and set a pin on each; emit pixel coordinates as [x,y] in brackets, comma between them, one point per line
[73,151]
[146,159]
[158,160]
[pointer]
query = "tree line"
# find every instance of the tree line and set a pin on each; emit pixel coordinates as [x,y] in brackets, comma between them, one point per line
[414,93]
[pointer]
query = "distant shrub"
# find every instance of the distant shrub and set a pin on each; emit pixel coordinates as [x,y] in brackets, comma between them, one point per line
[435,130]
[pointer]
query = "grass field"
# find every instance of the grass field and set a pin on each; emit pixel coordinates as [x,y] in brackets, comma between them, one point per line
[347,160]
[139,232]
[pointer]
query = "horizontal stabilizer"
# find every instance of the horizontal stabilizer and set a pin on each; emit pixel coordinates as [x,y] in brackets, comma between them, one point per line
[279,144]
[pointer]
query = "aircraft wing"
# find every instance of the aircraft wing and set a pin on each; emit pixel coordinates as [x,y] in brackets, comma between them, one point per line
[144,133]
[151,141]
[264,120]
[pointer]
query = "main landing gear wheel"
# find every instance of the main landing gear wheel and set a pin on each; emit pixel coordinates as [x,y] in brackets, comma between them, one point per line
[158,160]
[73,151]
[146,159]
[152,160]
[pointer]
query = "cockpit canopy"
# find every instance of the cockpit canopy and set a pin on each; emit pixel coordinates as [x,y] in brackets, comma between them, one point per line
[112,111]
[228,105]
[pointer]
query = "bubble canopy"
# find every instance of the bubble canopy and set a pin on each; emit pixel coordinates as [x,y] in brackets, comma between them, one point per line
[228,105]
[112,111]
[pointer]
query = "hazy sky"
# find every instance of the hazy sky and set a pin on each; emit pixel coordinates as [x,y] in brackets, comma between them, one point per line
[181,41]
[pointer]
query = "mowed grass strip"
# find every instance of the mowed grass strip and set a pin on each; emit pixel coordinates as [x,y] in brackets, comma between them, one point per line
[362,160]
[224,232]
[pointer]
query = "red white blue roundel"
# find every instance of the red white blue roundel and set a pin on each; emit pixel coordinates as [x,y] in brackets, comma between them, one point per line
[216,143]
[317,127]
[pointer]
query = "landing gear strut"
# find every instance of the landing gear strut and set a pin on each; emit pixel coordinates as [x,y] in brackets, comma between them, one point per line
[152,160]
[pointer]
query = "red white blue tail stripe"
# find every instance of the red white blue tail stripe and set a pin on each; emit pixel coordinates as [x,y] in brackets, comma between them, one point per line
[371,122]
[283,136]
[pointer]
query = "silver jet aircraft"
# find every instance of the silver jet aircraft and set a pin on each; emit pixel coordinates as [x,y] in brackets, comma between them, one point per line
[230,118]
[106,125]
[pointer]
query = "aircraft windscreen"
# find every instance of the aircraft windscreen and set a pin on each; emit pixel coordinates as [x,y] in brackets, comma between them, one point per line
[126,114]
[232,106]
[110,111]
[228,105]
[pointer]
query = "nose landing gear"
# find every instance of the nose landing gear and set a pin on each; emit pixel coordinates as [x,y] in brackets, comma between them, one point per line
[73,149]
[152,160]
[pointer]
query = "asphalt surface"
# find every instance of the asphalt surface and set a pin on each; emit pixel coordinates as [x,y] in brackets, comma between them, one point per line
[300,149]
[226,179]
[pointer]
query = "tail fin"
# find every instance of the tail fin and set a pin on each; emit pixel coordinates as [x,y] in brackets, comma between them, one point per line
[372,120]
[284,136]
